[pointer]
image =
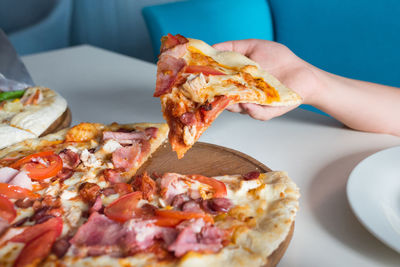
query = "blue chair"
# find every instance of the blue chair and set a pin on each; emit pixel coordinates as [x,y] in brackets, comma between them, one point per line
[212,21]
[359,39]
[50,33]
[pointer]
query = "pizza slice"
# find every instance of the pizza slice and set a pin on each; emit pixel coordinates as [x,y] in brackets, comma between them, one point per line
[196,82]
[50,185]
[30,113]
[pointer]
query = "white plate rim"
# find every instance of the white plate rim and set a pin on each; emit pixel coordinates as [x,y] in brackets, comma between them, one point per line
[350,189]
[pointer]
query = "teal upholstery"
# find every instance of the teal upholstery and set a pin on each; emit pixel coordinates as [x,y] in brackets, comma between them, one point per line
[213,21]
[359,39]
[50,33]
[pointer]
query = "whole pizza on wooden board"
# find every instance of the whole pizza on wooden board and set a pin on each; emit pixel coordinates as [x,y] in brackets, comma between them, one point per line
[72,199]
[28,113]
[196,82]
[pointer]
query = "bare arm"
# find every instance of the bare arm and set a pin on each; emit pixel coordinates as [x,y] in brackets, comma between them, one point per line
[360,105]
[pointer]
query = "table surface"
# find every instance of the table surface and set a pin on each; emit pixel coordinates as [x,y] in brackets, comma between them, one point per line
[317,151]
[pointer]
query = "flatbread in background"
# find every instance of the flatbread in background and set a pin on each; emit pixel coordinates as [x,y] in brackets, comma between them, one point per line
[29,116]
[196,82]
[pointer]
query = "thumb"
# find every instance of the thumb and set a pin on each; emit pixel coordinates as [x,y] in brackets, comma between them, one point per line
[244,47]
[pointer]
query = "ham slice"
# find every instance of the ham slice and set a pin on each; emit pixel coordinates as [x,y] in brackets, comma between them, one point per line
[98,230]
[113,175]
[125,138]
[194,235]
[6,174]
[100,235]
[168,68]
[22,180]
[126,157]
[173,184]
[151,132]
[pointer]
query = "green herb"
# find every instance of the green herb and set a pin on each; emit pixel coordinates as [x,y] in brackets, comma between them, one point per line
[11,95]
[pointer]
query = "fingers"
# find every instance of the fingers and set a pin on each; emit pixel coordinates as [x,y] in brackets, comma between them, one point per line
[234,108]
[244,47]
[259,112]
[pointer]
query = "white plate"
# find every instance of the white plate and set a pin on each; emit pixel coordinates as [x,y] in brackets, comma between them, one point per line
[373,191]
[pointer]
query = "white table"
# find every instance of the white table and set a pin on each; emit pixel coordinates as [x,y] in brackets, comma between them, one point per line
[317,151]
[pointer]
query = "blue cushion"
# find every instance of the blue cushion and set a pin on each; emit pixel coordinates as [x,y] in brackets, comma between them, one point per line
[50,33]
[212,21]
[358,39]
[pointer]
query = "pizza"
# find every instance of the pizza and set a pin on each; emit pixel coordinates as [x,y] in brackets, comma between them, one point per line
[28,113]
[196,82]
[74,198]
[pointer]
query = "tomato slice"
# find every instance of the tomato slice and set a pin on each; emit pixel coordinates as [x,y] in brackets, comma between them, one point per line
[123,208]
[40,171]
[174,217]
[16,192]
[29,158]
[218,186]
[214,108]
[54,224]
[7,211]
[206,70]
[36,250]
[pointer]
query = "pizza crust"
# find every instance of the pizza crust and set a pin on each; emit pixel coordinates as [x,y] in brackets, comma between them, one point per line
[11,135]
[239,61]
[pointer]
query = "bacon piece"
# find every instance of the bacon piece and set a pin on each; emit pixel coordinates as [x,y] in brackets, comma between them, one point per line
[251,175]
[109,191]
[195,236]
[60,247]
[6,174]
[168,68]
[146,185]
[170,41]
[70,159]
[178,200]
[65,173]
[151,132]
[217,106]
[216,205]
[24,203]
[188,118]
[113,175]
[89,192]
[22,180]
[126,157]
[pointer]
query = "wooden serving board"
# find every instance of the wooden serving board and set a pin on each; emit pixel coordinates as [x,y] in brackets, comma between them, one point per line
[211,160]
[62,122]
